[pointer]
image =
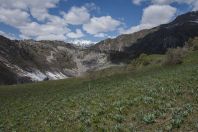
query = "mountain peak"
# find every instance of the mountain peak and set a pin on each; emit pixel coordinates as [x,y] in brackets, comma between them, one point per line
[188,17]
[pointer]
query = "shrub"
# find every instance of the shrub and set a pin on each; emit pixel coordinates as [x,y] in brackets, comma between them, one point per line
[119,118]
[141,61]
[175,56]
[180,114]
[149,118]
[146,60]
[118,128]
[193,44]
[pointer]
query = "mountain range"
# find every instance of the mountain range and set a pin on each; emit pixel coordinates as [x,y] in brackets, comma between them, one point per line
[23,61]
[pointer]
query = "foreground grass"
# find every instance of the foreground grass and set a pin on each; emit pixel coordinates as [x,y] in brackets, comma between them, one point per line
[148,99]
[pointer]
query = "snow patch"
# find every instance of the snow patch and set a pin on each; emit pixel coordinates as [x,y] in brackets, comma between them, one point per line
[51,57]
[55,75]
[39,76]
[82,42]
[36,75]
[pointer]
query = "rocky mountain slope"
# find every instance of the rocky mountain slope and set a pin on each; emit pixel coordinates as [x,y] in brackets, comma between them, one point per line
[25,61]
[152,41]
[28,60]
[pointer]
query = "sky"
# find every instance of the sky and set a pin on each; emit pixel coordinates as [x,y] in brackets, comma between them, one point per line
[85,21]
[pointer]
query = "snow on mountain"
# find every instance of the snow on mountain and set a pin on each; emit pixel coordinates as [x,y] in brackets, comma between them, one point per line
[82,42]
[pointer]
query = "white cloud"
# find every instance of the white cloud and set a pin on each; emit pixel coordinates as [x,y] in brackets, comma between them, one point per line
[40,14]
[154,15]
[8,35]
[158,14]
[24,4]
[51,37]
[77,16]
[77,34]
[100,35]
[37,8]
[92,7]
[172,1]
[136,2]
[43,31]
[102,24]
[195,7]
[14,17]
[18,14]
[163,2]
[192,3]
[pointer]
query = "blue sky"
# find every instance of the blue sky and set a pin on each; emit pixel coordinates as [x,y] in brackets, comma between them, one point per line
[85,20]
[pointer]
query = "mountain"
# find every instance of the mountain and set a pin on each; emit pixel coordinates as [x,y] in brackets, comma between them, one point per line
[152,41]
[28,60]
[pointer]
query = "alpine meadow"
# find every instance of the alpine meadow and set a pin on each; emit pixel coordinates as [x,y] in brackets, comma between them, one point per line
[69,66]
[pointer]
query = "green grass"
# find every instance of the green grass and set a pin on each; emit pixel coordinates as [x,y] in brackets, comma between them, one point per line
[145,60]
[150,98]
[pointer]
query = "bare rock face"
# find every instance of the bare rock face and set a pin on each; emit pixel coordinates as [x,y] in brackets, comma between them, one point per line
[29,61]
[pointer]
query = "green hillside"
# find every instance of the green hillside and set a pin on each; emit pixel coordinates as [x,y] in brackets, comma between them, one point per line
[143,96]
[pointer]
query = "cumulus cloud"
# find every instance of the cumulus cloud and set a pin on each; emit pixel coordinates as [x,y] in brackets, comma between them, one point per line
[158,14]
[77,34]
[18,14]
[77,16]
[25,4]
[37,8]
[192,3]
[43,31]
[154,15]
[14,17]
[34,21]
[102,24]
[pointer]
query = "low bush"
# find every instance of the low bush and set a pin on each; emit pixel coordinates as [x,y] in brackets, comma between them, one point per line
[149,118]
[175,56]
[193,44]
[146,60]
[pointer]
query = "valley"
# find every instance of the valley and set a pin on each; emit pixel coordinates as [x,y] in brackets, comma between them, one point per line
[145,81]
